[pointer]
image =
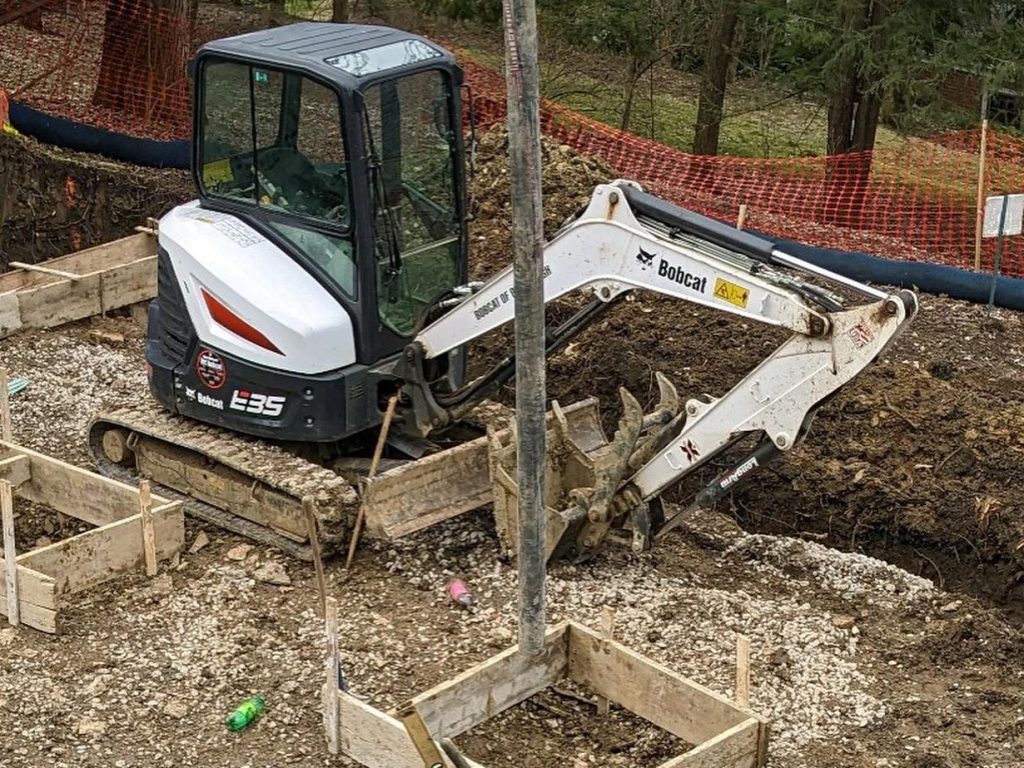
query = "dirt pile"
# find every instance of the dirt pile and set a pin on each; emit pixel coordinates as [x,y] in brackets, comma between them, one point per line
[53,201]
[918,460]
[569,178]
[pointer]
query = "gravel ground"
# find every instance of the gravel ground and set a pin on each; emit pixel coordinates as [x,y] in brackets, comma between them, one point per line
[857,662]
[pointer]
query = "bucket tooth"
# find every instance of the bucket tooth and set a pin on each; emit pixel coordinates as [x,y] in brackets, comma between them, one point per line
[610,476]
[659,425]
[668,397]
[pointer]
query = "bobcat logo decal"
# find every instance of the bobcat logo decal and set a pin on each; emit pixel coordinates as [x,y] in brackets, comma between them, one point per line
[645,258]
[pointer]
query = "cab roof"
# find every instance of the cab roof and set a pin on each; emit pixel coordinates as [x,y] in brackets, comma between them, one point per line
[348,54]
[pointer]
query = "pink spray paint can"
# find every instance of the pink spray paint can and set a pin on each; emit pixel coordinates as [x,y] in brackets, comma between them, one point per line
[459,593]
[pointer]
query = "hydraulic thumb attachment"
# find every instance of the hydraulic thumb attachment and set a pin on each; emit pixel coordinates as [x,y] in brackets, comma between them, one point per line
[627,240]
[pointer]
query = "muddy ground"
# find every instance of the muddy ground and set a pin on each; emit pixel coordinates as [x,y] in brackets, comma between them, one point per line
[858,662]
[53,201]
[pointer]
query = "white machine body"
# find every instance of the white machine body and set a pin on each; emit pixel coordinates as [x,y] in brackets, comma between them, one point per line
[260,284]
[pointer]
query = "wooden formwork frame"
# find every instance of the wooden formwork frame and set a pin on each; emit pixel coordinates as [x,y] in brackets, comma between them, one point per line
[726,734]
[72,287]
[135,530]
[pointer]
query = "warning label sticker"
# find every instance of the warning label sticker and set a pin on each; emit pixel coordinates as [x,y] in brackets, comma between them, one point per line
[233,229]
[732,293]
[217,172]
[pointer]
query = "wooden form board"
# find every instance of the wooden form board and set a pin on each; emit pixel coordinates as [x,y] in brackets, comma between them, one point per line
[48,575]
[724,734]
[419,494]
[108,276]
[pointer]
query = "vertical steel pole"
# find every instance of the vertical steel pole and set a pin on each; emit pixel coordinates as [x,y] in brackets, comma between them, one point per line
[527,242]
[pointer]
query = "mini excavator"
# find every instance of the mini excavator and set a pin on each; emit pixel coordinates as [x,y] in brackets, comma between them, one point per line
[323,270]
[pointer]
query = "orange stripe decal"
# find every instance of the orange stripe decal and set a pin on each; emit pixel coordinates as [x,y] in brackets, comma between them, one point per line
[228,319]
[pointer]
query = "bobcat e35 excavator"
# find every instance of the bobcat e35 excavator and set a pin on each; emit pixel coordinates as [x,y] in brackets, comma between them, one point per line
[323,269]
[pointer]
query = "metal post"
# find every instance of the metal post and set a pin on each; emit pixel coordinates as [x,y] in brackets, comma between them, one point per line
[527,243]
[1000,237]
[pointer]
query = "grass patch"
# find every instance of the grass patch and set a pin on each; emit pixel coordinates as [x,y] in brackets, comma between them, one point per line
[761,119]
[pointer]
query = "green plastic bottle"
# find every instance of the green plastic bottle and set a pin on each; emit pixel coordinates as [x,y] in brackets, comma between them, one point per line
[247,711]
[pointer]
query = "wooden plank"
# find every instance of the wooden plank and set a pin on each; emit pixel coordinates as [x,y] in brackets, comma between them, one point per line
[86,262]
[129,283]
[429,751]
[148,536]
[6,431]
[670,701]
[77,492]
[34,588]
[375,739]
[60,302]
[16,470]
[607,632]
[743,671]
[735,748]
[330,690]
[45,270]
[495,685]
[37,617]
[10,313]
[10,552]
[101,554]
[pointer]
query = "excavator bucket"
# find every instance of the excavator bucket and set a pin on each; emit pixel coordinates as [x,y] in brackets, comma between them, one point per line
[424,492]
[584,472]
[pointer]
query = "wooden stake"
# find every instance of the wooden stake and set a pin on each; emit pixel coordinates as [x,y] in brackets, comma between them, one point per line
[743,671]
[421,738]
[979,223]
[45,270]
[332,722]
[314,545]
[6,433]
[10,553]
[607,632]
[382,439]
[742,218]
[148,537]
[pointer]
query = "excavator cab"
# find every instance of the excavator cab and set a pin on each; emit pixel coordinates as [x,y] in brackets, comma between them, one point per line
[328,160]
[343,142]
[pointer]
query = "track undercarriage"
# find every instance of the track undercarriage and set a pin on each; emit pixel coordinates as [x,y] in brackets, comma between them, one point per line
[262,491]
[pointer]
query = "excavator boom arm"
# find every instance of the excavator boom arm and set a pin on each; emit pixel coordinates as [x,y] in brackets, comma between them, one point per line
[626,239]
[608,251]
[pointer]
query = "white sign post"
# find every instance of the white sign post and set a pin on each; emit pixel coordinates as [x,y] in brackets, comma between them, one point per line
[1013,224]
[1004,215]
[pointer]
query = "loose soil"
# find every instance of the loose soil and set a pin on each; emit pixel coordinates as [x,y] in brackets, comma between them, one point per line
[858,662]
[918,460]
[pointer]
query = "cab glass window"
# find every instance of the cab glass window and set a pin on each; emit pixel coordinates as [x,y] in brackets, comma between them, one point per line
[411,143]
[273,139]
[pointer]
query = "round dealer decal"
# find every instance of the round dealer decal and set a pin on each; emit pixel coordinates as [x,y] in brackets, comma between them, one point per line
[211,369]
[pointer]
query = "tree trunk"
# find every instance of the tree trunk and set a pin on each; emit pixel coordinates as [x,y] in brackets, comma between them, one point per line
[846,85]
[869,105]
[276,15]
[716,73]
[376,9]
[855,105]
[143,64]
[339,11]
